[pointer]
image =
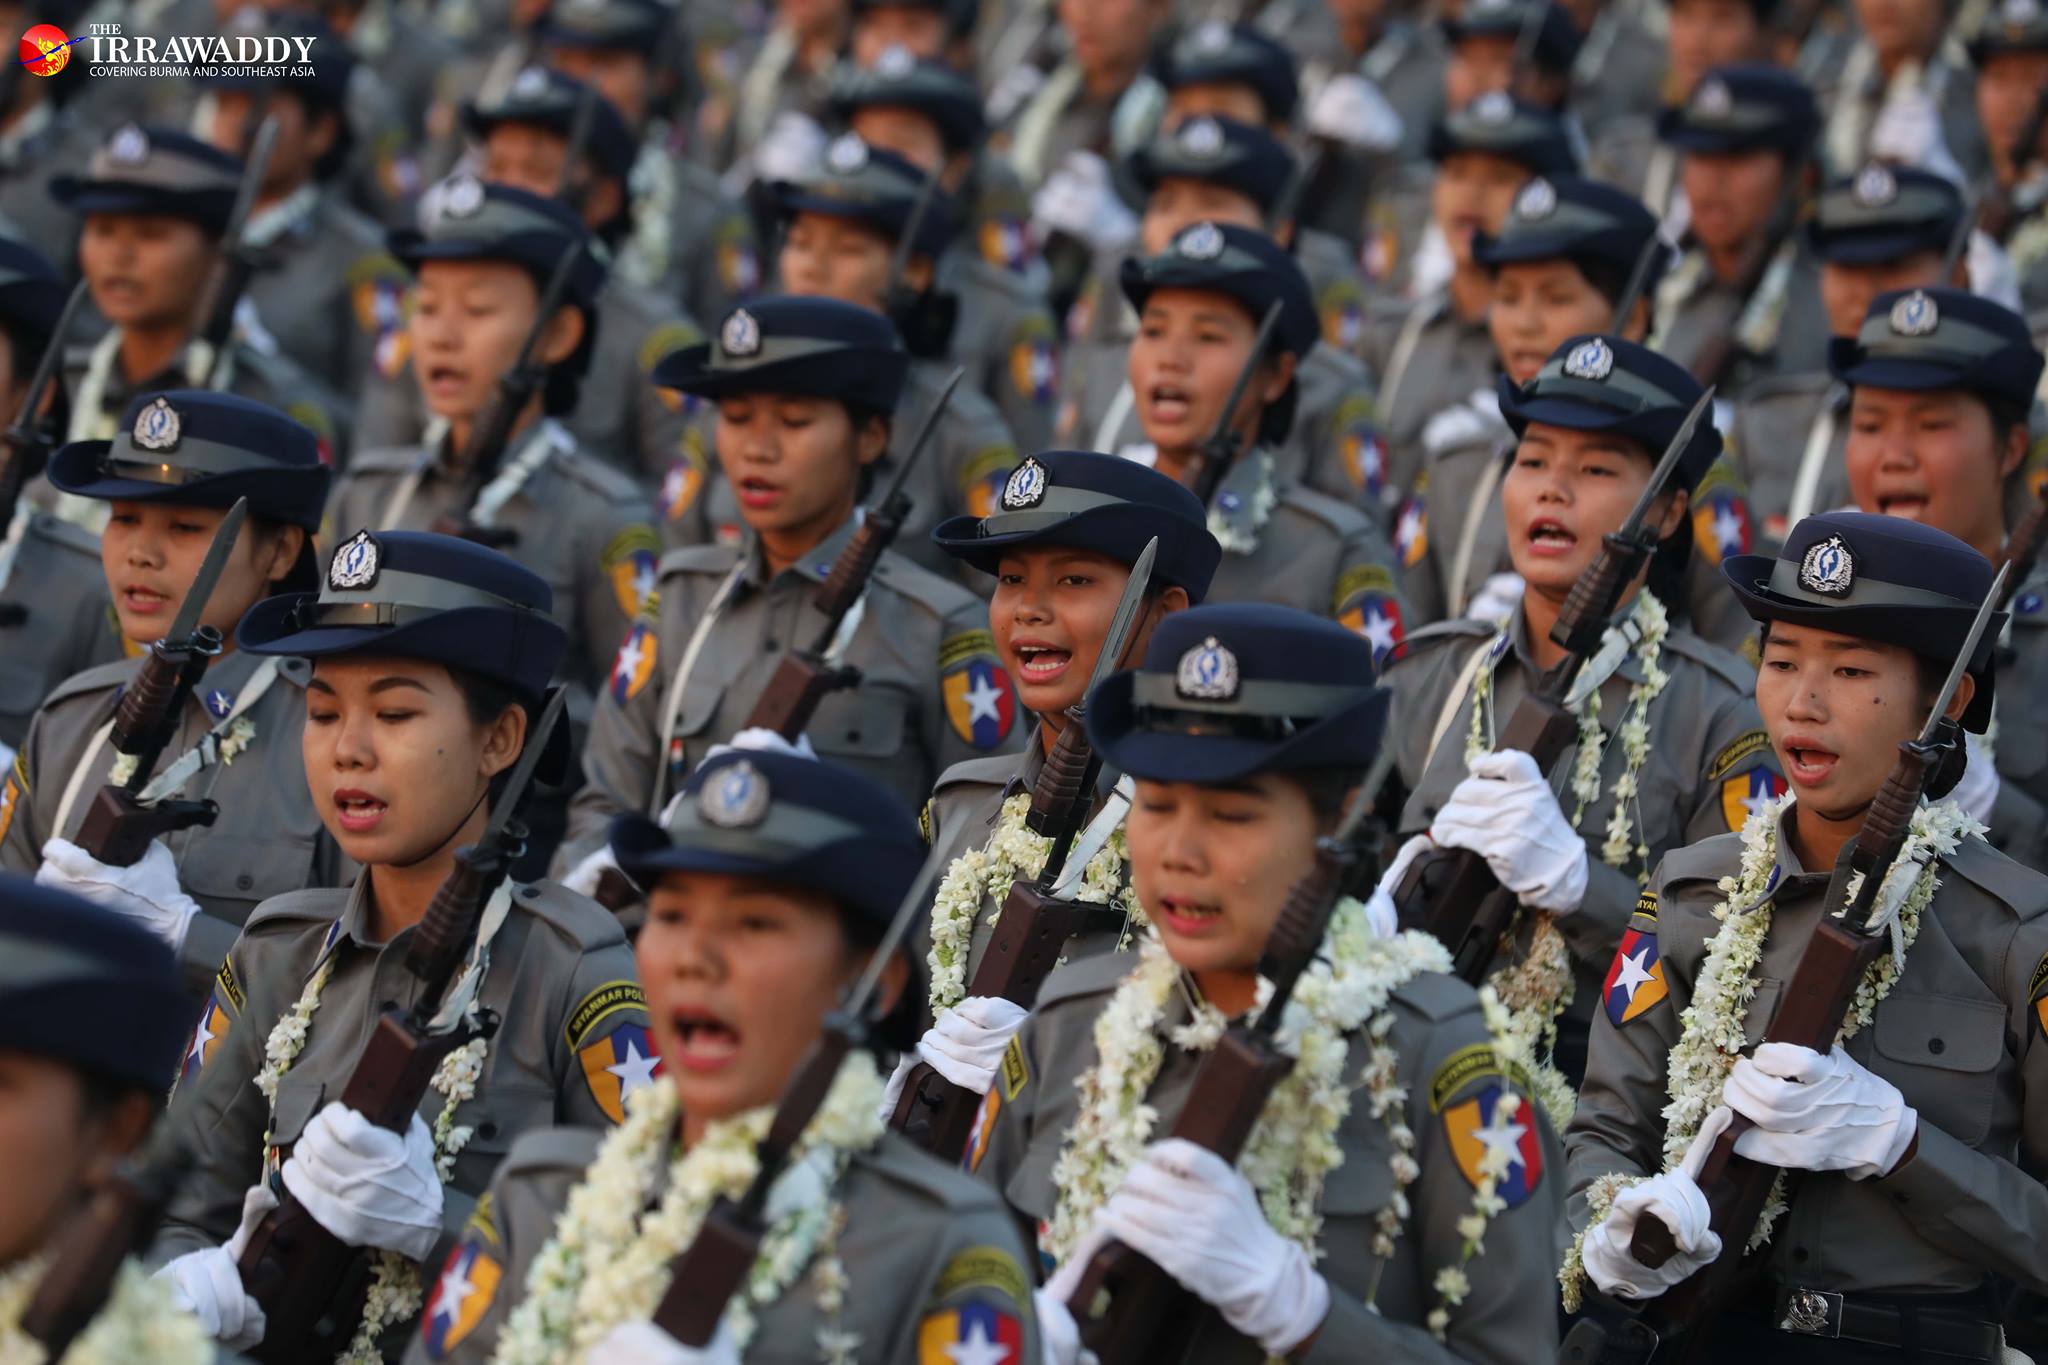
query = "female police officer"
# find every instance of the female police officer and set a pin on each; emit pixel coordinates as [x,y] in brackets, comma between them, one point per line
[1245,728]
[771,885]
[429,655]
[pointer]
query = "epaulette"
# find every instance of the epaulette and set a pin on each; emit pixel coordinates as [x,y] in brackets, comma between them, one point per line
[2012,884]
[1095,975]
[315,904]
[708,558]
[899,1161]
[583,922]
[551,1149]
[909,580]
[1332,513]
[1437,996]
[66,535]
[607,481]
[396,459]
[1444,632]
[1708,860]
[994,771]
[1017,287]
[1729,666]
[99,678]
[1794,384]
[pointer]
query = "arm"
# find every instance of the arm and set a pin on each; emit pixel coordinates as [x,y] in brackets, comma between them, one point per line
[623,752]
[967,663]
[20,849]
[976,1287]
[614,571]
[1026,380]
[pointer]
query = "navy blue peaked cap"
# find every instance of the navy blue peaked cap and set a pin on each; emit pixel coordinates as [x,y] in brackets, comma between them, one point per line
[1557,37]
[898,80]
[84,986]
[1602,383]
[1218,151]
[154,170]
[1216,53]
[542,97]
[1239,263]
[1091,501]
[466,219]
[788,819]
[1501,126]
[1882,214]
[606,25]
[199,448]
[1743,107]
[1919,339]
[1877,578]
[417,595]
[874,186]
[798,344]
[1568,217]
[1231,690]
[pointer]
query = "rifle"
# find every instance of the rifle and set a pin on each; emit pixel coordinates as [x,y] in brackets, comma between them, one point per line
[1451,892]
[1638,281]
[1127,1308]
[2000,205]
[2023,548]
[25,445]
[491,429]
[897,296]
[714,1267]
[569,191]
[1037,917]
[231,278]
[1219,451]
[1810,1013]
[119,825]
[292,1265]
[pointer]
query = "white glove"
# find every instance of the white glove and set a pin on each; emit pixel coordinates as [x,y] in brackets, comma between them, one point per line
[1199,1220]
[1818,1113]
[147,893]
[1059,1336]
[1907,131]
[208,1284]
[1674,1198]
[1497,600]
[583,878]
[966,1044]
[1505,811]
[1350,109]
[367,1185]
[1977,791]
[1012,89]
[642,1343]
[793,148]
[1079,200]
[760,739]
[1380,909]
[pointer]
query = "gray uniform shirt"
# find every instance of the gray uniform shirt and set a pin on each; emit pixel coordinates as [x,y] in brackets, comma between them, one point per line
[1446,1064]
[1778,327]
[325,292]
[268,839]
[1425,359]
[932,691]
[571,1042]
[928,1252]
[1960,1035]
[55,619]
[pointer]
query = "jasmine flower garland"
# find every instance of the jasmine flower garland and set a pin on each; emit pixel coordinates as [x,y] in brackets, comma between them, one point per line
[608,1261]
[988,872]
[138,1322]
[1239,534]
[1711,1034]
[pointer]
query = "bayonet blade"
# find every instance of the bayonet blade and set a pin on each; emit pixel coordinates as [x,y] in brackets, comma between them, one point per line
[924,436]
[522,772]
[1125,620]
[1638,281]
[208,577]
[1985,611]
[53,356]
[1672,454]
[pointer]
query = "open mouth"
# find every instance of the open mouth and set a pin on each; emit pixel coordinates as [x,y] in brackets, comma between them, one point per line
[1188,917]
[1038,663]
[359,811]
[757,492]
[144,601]
[1548,536]
[1170,402]
[446,379]
[1808,764]
[1912,506]
[706,1042]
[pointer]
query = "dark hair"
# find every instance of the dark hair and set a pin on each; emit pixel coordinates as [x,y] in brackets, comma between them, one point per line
[99,1094]
[1326,790]
[2006,414]
[485,699]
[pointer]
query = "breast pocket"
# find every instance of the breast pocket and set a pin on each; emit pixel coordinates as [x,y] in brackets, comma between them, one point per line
[496,1118]
[1942,1053]
[1762,1006]
[299,1097]
[867,722]
[219,868]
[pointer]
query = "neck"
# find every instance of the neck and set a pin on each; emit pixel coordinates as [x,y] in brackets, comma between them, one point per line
[270,196]
[1471,291]
[1108,82]
[1818,838]
[148,350]
[1732,265]
[399,896]
[1050,724]
[1540,611]
[1232,992]
[783,546]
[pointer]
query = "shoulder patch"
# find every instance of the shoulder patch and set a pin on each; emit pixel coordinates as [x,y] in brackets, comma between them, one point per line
[617,1065]
[1746,793]
[1646,905]
[2040,977]
[978,1331]
[924,822]
[1034,363]
[1469,1063]
[1411,525]
[636,658]
[660,343]
[1341,305]
[629,562]
[600,1005]
[1721,523]
[739,265]
[983,475]
[1635,979]
[207,1034]
[1366,603]
[229,988]
[466,1289]
[12,793]
[1005,244]
[983,1267]
[1753,741]
[1363,447]
[980,702]
[1015,1075]
[684,480]
[1496,1142]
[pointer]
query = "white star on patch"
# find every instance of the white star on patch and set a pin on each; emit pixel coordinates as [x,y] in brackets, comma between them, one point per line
[978,1349]
[643,580]
[629,658]
[455,1291]
[1379,628]
[200,1038]
[1634,976]
[635,1072]
[1756,800]
[1727,529]
[1409,528]
[1505,1138]
[982,699]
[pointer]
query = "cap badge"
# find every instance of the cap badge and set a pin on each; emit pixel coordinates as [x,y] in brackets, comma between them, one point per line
[1537,201]
[847,154]
[158,426]
[741,335]
[1026,487]
[1915,315]
[1828,568]
[895,62]
[129,146]
[1492,108]
[1201,137]
[530,84]
[1713,99]
[462,197]
[1202,242]
[355,563]
[1590,359]
[1212,36]
[735,796]
[1875,186]
[1208,672]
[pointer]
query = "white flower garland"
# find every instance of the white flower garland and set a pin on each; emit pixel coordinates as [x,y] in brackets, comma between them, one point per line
[989,871]
[608,1261]
[1711,1036]
[644,259]
[395,1293]
[139,1322]
[1293,1148]
[1240,535]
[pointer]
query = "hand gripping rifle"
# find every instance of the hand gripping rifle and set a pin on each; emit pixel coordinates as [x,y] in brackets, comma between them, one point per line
[1810,1014]
[1128,1309]
[714,1267]
[1451,892]
[26,443]
[491,429]
[1219,452]
[119,825]
[231,278]
[1037,917]
[293,1266]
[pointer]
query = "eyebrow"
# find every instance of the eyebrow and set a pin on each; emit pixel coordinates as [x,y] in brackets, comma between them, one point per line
[396,680]
[1839,644]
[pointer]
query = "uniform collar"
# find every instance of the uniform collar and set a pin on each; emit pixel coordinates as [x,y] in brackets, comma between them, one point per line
[289,216]
[1630,667]
[814,566]
[1790,879]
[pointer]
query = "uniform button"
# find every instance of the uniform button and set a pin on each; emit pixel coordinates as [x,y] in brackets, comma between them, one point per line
[853,736]
[1429,812]
[1936,1046]
[487,1130]
[769,646]
[531,893]
[385,1006]
[1799,1255]
[243,881]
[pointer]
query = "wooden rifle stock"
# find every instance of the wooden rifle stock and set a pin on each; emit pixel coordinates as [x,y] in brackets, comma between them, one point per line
[2023,547]
[803,679]
[121,1217]
[118,826]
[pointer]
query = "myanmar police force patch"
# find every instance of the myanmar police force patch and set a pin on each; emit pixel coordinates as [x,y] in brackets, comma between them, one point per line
[979,701]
